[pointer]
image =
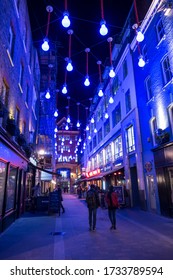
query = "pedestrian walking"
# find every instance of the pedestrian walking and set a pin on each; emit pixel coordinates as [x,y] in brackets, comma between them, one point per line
[113,204]
[61,199]
[93,203]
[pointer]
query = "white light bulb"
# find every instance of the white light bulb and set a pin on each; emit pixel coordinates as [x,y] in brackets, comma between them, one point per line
[103,28]
[65,21]
[69,67]
[66,127]
[140,36]
[56,114]
[111,100]
[47,94]
[68,120]
[64,90]
[100,93]
[95,130]
[106,115]
[45,45]
[87,82]
[78,124]
[92,120]
[141,62]
[111,73]
[87,127]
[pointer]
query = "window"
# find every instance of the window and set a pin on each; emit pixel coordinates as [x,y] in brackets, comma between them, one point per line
[166,69]
[27,95]
[11,41]
[25,36]
[21,73]
[11,187]
[106,127]
[148,88]
[100,137]
[100,158]
[125,70]
[144,53]
[34,99]
[160,30]
[108,154]
[94,142]
[116,115]
[128,101]
[118,148]
[153,125]
[3,170]
[90,145]
[115,86]
[130,139]
[17,116]
[170,112]
[4,93]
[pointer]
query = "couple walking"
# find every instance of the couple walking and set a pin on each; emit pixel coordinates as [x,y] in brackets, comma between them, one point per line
[93,203]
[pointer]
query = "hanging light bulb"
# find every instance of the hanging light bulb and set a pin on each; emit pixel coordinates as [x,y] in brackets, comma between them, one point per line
[140,35]
[70,142]
[111,100]
[66,127]
[103,28]
[78,124]
[86,82]
[65,21]
[56,113]
[92,120]
[95,130]
[45,45]
[106,115]
[112,73]
[87,128]
[89,137]
[64,90]
[69,66]
[100,93]
[47,94]
[55,130]
[141,62]
[68,119]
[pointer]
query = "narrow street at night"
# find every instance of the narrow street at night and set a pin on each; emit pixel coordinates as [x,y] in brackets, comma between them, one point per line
[38,236]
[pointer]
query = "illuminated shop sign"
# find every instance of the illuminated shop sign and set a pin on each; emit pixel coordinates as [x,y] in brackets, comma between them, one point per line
[93,173]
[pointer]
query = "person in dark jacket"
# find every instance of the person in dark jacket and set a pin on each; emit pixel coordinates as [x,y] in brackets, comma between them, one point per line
[93,203]
[112,202]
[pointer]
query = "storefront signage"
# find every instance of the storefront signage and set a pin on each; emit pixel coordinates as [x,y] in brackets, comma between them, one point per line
[93,173]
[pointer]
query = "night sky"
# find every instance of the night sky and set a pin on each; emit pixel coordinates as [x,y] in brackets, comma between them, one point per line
[85,19]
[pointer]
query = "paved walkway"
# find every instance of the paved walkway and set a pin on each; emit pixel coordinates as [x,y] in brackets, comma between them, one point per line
[139,235]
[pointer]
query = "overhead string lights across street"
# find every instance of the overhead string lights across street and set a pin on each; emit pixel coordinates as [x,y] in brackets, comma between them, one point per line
[45,45]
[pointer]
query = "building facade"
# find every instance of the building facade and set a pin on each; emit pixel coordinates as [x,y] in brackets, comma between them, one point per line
[19,84]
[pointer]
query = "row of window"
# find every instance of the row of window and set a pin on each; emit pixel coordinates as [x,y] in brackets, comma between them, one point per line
[113,151]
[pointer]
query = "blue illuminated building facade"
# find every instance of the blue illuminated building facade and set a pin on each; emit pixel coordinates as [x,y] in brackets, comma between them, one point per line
[133,146]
